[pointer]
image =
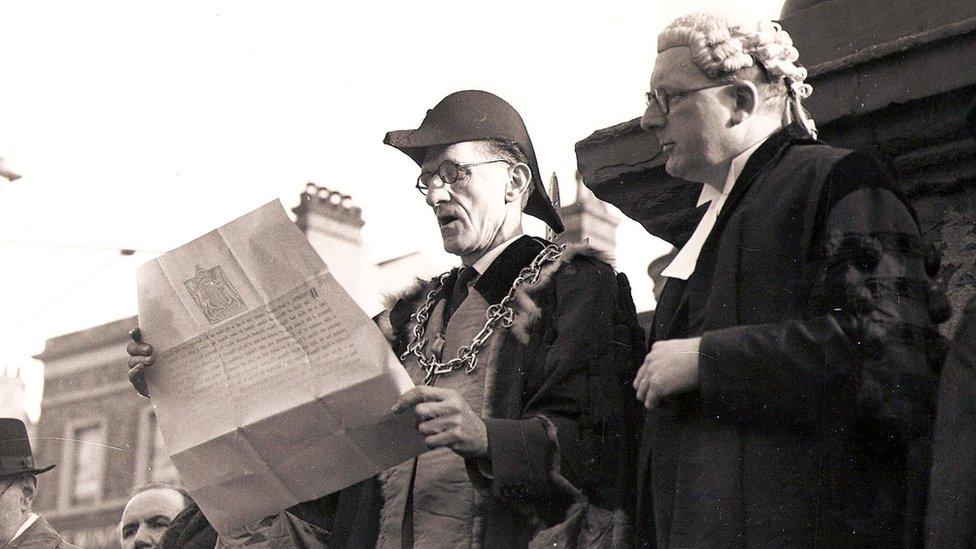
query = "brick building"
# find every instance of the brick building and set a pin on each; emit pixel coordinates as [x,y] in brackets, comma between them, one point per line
[98,430]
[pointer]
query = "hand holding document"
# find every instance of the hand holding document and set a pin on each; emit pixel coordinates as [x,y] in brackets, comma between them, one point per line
[271,386]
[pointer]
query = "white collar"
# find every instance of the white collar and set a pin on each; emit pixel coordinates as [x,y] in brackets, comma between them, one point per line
[683,264]
[31,519]
[486,260]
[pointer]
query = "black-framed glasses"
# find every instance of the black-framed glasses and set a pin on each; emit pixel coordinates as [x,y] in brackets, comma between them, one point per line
[448,173]
[663,99]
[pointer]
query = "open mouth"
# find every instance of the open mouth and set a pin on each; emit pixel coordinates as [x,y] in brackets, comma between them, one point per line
[446,219]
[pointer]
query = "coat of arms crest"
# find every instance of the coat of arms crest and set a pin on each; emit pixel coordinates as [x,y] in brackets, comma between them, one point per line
[214,294]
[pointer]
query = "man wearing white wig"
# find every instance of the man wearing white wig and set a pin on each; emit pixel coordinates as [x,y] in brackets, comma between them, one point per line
[790,380]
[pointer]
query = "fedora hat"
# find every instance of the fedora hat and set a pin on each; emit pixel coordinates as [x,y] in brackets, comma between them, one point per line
[475,115]
[15,450]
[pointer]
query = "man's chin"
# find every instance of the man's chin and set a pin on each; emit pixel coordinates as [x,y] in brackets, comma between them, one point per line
[674,168]
[452,246]
[462,249]
[682,171]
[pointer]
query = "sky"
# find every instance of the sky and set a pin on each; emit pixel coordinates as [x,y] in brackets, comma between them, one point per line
[142,125]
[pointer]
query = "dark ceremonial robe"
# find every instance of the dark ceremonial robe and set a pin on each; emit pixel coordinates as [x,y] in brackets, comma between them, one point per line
[557,401]
[951,517]
[40,535]
[811,298]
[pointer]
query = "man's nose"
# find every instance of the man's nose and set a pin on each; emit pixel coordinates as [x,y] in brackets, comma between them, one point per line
[145,538]
[438,194]
[653,118]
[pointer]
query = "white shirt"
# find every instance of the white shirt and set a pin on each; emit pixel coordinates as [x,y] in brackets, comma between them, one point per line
[486,260]
[684,263]
[27,524]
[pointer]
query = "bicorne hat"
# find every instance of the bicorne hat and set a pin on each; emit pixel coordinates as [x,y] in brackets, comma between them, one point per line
[474,115]
[15,450]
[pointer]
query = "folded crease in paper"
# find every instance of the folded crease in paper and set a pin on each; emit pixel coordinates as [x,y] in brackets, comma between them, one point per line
[271,386]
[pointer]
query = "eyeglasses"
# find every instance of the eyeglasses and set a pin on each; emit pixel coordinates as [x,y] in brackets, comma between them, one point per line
[663,99]
[448,173]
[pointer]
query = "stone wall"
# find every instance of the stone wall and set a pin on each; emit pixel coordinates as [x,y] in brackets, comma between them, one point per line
[901,87]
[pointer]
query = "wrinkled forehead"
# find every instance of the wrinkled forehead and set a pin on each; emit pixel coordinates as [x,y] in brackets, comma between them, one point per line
[153,502]
[675,70]
[466,151]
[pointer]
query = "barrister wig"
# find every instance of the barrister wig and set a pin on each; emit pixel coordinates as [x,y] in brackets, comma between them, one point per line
[721,47]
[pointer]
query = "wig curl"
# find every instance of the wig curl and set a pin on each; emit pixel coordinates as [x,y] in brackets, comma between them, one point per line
[720,47]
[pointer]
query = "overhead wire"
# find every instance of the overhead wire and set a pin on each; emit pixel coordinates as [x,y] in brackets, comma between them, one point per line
[40,244]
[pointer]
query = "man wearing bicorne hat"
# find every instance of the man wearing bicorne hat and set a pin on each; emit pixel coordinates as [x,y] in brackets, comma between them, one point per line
[20,528]
[522,358]
[790,379]
[527,427]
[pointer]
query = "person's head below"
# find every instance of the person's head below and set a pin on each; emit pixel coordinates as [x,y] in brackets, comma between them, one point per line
[16,499]
[148,513]
[719,87]
[18,478]
[478,172]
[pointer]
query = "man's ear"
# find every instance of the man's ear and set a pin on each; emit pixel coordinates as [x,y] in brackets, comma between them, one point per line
[519,182]
[29,491]
[747,100]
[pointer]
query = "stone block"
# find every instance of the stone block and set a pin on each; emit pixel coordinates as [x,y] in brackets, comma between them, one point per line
[950,222]
[834,96]
[874,22]
[909,126]
[821,32]
[923,72]
[944,12]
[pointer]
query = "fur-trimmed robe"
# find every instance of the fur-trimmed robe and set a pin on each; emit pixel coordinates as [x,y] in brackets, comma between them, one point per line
[559,407]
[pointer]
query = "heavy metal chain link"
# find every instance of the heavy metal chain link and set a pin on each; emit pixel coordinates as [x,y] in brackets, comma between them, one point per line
[499,314]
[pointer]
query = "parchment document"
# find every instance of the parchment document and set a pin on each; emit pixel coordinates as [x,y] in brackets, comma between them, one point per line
[271,386]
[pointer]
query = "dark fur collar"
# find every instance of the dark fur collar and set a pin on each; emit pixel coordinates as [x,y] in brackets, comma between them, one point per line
[494,284]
